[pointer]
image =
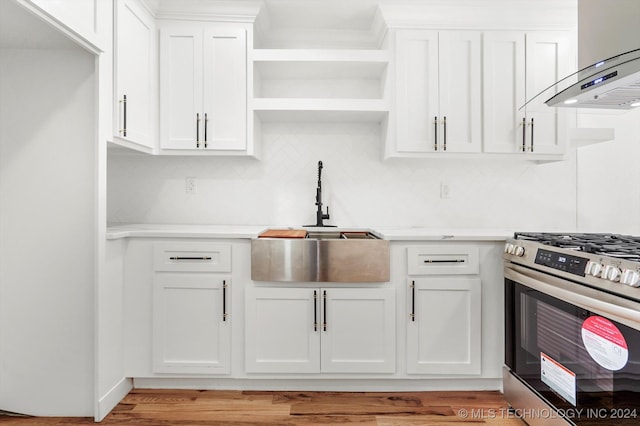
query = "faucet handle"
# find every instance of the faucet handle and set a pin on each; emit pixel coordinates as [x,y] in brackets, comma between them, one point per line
[326,215]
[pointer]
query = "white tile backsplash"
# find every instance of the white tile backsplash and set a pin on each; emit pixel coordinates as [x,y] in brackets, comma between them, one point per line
[359,188]
[609,173]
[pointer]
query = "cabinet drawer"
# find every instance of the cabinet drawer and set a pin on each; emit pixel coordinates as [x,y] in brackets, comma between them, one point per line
[192,257]
[442,260]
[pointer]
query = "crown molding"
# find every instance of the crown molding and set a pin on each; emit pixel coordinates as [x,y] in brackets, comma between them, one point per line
[241,11]
[480,14]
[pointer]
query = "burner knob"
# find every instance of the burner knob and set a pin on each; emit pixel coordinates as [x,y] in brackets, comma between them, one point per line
[630,277]
[593,268]
[518,251]
[508,248]
[611,273]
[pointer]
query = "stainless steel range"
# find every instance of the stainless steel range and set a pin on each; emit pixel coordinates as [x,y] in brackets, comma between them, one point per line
[572,328]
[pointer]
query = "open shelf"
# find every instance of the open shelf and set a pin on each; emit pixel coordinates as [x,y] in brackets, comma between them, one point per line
[588,136]
[320,85]
[338,110]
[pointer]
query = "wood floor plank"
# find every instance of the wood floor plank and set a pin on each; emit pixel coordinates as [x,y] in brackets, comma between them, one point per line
[163,407]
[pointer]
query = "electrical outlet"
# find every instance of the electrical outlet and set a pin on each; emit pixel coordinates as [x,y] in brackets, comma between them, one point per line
[445,190]
[191,185]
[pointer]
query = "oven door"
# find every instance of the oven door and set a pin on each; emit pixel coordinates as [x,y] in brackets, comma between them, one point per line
[575,347]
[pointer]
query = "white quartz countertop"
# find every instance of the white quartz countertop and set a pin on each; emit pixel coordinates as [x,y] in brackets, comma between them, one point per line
[436,234]
[252,231]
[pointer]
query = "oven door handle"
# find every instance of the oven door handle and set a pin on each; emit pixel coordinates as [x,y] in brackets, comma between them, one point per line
[615,308]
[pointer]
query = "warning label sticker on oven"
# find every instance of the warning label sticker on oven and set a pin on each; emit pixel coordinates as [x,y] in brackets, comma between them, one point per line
[558,377]
[605,343]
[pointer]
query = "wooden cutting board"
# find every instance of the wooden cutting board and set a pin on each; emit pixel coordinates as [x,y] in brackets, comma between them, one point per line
[284,233]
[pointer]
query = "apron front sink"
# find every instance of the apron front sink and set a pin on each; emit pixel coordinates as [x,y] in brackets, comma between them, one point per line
[321,256]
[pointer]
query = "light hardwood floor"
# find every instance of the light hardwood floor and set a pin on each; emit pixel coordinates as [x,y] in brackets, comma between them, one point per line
[193,407]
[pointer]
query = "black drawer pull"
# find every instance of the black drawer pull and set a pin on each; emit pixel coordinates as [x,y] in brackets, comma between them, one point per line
[124,116]
[324,310]
[315,310]
[413,301]
[197,130]
[532,134]
[224,301]
[444,261]
[190,258]
[444,125]
[524,135]
[435,133]
[206,124]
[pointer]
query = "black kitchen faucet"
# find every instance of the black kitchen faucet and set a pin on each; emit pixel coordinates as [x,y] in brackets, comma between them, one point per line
[320,216]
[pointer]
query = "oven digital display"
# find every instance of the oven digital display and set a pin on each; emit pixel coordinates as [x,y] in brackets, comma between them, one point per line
[562,262]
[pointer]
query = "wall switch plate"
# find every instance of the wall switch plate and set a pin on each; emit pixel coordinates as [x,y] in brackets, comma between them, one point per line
[191,185]
[445,190]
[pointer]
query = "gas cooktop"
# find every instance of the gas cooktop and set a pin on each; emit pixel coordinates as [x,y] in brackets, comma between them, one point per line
[608,262]
[618,246]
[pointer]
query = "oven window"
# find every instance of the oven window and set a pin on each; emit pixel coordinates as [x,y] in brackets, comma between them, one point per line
[572,357]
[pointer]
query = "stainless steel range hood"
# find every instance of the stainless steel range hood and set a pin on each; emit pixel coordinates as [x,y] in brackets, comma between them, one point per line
[613,83]
[609,55]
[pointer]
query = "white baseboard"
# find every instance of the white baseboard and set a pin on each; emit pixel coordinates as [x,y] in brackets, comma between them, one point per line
[326,385]
[108,401]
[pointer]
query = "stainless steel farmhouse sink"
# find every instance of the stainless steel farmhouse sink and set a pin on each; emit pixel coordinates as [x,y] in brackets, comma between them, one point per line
[320,256]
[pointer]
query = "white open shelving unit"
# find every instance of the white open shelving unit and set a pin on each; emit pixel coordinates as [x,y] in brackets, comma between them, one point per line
[588,136]
[320,84]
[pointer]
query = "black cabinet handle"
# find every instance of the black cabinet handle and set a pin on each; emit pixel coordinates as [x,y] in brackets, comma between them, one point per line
[224,300]
[531,134]
[413,301]
[444,261]
[206,121]
[524,135]
[435,133]
[198,130]
[123,101]
[444,133]
[190,258]
[315,310]
[324,310]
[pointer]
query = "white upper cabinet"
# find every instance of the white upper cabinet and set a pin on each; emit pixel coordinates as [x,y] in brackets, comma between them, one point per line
[135,75]
[438,92]
[517,66]
[203,88]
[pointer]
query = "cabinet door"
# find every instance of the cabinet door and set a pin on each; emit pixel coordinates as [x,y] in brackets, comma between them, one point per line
[444,331]
[134,71]
[282,334]
[549,59]
[416,90]
[460,70]
[504,90]
[181,87]
[225,90]
[358,330]
[191,326]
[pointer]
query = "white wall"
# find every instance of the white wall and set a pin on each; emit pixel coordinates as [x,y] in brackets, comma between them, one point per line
[609,173]
[47,231]
[360,189]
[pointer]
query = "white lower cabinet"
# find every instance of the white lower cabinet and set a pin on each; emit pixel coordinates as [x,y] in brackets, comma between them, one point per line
[444,328]
[191,322]
[191,331]
[444,331]
[320,330]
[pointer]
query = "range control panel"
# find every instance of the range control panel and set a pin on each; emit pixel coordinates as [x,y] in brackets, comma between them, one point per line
[562,262]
